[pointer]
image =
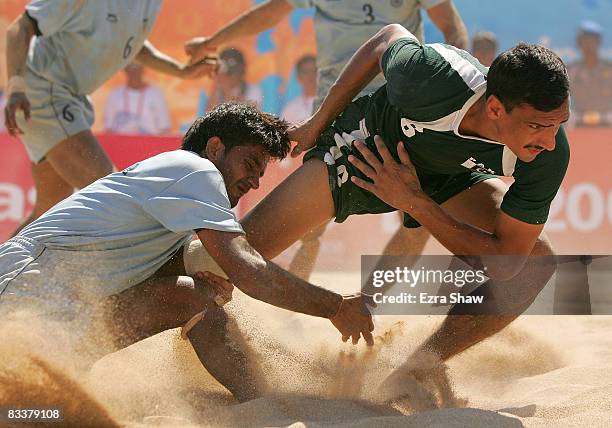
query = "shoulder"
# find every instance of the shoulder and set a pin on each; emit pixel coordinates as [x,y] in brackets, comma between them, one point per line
[177,164]
[427,82]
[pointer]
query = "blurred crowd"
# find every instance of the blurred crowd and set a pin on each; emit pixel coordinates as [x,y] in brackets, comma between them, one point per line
[139,108]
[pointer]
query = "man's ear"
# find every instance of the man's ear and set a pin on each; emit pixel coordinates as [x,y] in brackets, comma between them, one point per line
[494,107]
[215,149]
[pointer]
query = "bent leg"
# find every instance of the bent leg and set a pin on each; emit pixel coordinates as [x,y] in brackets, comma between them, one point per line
[298,205]
[479,206]
[164,303]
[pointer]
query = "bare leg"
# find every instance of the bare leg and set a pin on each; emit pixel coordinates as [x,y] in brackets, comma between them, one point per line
[80,160]
[462,328]
[164,303]
[459,331]
[299,204]
[50,189]
[74,163]
[410,241]
[479,206]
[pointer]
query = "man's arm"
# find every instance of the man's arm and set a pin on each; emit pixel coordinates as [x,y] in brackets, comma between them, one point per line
[398,185]
[253,21]
[18,37]
[152,58]
[446,17]
[363,66]
[265,281]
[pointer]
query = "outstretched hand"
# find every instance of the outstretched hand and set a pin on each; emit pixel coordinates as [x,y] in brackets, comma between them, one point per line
[354,320]
[396,184]
[199,48]
[207,67]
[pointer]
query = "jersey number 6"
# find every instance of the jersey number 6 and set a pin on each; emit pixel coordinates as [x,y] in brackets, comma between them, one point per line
[127,50]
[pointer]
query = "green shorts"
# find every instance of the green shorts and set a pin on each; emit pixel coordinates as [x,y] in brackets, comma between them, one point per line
[334,146]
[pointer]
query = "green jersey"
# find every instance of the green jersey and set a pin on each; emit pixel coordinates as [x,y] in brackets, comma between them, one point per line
[429,90]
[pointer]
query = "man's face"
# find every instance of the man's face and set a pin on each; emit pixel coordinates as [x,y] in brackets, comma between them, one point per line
[589,43]
[527,131]
[241,167]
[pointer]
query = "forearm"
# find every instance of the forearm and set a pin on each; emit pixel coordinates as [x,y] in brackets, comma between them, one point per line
[253,21]
[18,37]
[271,284]
[458,237]
[152,58]
[363,66]
[446,17]
[457,35]
[477,247]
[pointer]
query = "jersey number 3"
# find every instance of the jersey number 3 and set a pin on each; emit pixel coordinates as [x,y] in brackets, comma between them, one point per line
[369,13]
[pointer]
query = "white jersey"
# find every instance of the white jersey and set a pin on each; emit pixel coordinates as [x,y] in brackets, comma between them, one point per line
[83,43]
[136,111]
[342,26]
[125,226]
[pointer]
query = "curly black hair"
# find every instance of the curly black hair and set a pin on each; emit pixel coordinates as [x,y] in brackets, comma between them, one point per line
[239,124]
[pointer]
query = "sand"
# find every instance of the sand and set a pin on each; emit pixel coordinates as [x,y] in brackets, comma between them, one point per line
[541,371]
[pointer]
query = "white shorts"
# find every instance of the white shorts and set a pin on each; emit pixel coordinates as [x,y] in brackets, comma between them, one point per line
[56,114]
[34,283]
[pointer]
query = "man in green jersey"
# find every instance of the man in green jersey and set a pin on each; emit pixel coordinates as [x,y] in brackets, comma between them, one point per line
[431,143]
[459,126]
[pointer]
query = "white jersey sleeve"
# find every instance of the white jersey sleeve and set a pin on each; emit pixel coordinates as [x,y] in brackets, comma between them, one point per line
[196,201]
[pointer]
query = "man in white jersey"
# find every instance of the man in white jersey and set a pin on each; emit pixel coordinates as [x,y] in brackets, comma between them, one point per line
[341,27]
[77,46]
[113,251]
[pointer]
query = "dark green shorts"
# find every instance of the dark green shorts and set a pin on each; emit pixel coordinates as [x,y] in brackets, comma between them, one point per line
[335,144]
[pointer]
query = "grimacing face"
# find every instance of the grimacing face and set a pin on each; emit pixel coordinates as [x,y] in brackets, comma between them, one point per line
[240,166]
[527,131]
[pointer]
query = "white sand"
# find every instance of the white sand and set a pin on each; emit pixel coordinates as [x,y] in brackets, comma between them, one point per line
[541,371]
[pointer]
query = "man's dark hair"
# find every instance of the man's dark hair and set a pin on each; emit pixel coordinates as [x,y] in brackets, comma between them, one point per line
[239,124]
[303,61]
[528,74]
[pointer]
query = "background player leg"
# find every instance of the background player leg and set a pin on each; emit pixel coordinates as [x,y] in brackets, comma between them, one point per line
[410,241]
[80,159]
[50,188]
[405,240]
[305,258]
[76,162]
[298,205]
